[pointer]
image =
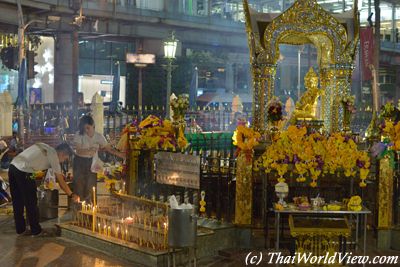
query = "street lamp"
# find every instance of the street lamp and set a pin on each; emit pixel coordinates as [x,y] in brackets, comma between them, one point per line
[170,45]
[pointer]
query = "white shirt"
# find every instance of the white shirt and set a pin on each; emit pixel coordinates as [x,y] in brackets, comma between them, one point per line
[86,142]
[37,157]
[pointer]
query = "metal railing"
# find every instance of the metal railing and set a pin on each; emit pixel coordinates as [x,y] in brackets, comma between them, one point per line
[50,119]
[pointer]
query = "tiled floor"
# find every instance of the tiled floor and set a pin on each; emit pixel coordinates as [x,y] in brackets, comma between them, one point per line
[26,251]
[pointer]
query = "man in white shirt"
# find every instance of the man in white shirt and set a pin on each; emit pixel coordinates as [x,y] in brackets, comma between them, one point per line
[23,188]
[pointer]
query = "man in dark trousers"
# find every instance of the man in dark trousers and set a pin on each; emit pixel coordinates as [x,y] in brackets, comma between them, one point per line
[35,158]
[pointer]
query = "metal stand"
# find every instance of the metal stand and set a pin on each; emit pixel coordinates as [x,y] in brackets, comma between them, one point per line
[361,220]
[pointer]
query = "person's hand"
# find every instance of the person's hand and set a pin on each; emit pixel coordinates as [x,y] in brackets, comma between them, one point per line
[122,155]
[75,198]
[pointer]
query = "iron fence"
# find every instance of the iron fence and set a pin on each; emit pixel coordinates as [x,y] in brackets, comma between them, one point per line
[48,119]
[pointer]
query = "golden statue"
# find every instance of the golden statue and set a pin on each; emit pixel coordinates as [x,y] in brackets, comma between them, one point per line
[306,107]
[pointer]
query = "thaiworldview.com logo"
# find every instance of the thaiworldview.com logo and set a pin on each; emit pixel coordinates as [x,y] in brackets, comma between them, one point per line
[255,258]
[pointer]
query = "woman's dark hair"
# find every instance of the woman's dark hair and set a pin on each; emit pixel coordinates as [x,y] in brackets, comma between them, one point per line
[65,148]
[85,119]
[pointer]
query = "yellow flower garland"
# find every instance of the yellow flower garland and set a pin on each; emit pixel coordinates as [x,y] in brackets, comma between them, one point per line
[159,134]
[313,155]
[245,138]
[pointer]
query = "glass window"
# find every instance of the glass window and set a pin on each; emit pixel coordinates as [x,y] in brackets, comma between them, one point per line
[102,50]
[86,66]
[103,67]
[397,13]
[131,48]
[86,49]
[119,50]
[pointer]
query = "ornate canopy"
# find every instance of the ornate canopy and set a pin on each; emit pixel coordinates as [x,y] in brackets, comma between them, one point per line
[305,22]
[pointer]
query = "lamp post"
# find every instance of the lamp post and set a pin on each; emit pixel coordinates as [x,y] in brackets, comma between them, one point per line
[170,45]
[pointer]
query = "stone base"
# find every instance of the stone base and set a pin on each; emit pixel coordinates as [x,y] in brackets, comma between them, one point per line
[396,239]
[115,247]
[212,237]
[384,239]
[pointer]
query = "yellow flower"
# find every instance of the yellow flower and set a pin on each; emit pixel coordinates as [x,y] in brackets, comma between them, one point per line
[101,176]
[364,173]
[150,120]
[245,138]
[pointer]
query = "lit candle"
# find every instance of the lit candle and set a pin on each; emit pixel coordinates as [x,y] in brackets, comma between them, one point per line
[93,220]
[126,235]
[117,231]
[124,188]
[84,206]
[129,220]
[105,230]
[94,196]
[98,227]
[165,235]
[109,231]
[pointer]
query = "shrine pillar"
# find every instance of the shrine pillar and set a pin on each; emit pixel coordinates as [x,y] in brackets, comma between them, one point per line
[263,91]
[244,190]
[343,88]
[336,83]
[385,203]
[133,169]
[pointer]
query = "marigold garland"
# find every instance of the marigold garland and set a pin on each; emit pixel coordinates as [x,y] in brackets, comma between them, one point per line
[154,133]
[313,155]
[245,139]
